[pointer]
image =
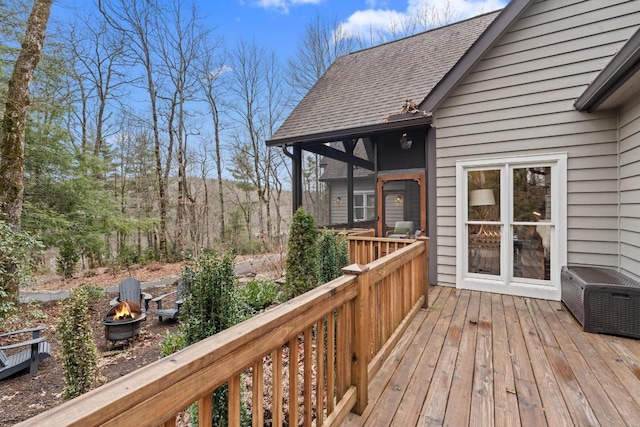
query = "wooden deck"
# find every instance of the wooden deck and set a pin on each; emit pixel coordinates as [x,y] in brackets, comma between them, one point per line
[483,359]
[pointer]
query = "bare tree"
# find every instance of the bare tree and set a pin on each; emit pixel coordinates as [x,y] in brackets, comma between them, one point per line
[182,43]
[424,18]
[275,96]
[247,62]
[138,21]
[323,41]
[14,121]
[96,55]
[213,82]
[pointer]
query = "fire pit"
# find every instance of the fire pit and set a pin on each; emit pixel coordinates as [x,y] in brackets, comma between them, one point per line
[122,322]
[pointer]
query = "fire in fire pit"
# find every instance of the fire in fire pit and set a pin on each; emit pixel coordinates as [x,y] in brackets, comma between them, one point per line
[122,321]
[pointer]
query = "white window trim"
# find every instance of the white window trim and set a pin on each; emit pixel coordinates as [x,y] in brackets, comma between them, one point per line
[365,207]
[501,284]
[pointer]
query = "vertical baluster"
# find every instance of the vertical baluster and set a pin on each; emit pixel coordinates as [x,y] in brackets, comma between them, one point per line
[320,380]
[234,401]
[277,387]
[343,354]
[205,408]
[331,325]
[257,407]
[293,382]
[308,373]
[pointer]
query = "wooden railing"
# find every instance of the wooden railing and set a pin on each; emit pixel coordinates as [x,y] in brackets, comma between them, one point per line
[364,249]
[319,348]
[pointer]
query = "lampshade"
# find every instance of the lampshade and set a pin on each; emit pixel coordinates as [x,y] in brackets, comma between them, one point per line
[482,197]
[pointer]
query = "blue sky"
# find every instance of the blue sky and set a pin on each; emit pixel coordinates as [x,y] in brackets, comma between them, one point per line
[278,24]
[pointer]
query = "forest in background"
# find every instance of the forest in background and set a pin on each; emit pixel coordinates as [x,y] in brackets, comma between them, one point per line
[145,134]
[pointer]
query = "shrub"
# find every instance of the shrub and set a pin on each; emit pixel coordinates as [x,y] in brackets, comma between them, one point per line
[302,249]
[328,268]
[68,259]
[343,253]
[258,294]
[79,350]
[172,342]
[16,264]
[211,305]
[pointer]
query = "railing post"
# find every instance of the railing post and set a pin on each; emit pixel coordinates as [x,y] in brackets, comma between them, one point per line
[359,359]
[425,271]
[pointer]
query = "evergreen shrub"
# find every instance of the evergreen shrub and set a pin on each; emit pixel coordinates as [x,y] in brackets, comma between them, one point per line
[302,253]
[78,347]
[211,305]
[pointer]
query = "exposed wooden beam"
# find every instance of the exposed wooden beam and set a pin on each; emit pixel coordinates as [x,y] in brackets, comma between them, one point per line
[332,153]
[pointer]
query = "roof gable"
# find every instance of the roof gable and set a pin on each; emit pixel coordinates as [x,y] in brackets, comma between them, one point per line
[363,88]
[482,44]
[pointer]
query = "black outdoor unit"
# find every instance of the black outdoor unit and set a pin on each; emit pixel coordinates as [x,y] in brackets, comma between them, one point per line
[602,300]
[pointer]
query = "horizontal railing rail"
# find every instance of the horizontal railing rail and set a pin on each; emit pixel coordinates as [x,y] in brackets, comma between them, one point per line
[364,249]
[321,347]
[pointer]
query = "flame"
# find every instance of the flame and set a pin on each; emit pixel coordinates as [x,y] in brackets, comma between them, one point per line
[123,311]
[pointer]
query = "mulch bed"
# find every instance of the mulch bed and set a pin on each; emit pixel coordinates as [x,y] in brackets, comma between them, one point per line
[23,396]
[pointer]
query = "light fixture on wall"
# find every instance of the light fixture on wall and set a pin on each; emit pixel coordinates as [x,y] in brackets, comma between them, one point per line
[338,200]
[482,197]
[399,198]
[405,143]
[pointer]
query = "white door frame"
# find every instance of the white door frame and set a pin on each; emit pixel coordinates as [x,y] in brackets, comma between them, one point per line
[506,283]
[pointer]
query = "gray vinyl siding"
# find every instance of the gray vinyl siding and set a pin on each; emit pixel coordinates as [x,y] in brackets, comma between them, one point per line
[518,100]
[630,189]
[339,189]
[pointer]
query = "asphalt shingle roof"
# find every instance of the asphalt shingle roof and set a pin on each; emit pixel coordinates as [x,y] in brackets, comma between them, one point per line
[363,88]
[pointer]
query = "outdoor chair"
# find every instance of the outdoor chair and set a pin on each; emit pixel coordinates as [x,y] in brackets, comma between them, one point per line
[401,229]
[170,313]
[130,289]
[37,349]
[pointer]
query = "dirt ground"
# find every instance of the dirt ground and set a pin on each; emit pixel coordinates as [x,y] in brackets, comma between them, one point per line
[23,396]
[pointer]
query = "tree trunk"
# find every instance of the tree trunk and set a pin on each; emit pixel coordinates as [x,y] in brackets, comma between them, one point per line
[13,125]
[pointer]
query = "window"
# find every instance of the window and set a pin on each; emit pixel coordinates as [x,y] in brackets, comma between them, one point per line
[364,206]
[510,220]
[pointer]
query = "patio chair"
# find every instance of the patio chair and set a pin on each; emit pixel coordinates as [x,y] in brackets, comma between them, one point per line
[170,313]
[37,349]
[401,229]
[130,289]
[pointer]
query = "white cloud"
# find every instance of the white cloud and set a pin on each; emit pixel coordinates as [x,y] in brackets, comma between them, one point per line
[284,5]
[379,21]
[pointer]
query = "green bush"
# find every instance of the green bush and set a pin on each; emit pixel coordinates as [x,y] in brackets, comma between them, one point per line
[258,294]
[171,343]
[17,254]
[7,306]
[302,252]
[328,268]
[343,253]
[68,259]
[78,347]
[211,305]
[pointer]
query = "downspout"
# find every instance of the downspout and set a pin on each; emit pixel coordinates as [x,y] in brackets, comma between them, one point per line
[618,199]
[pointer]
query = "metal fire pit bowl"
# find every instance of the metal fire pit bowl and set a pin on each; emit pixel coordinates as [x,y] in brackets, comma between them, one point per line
[123,329]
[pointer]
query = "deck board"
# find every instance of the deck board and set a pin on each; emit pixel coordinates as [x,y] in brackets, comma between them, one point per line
[483,359]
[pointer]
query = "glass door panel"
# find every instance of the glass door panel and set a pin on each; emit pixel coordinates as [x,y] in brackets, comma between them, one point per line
[484,228]
[532,223]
